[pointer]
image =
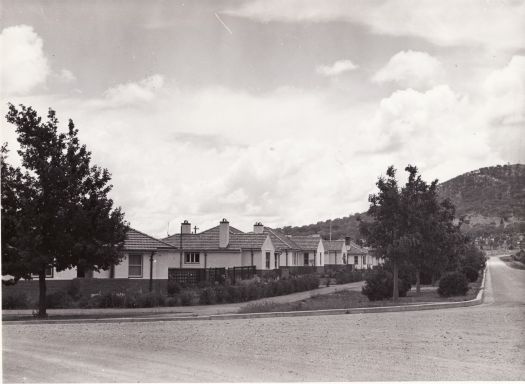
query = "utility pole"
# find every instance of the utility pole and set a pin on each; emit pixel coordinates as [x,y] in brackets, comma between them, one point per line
[181,246]
[151,271]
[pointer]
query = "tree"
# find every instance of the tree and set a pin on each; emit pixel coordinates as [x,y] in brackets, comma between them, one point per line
[385,233]
[58,213]
[430,234]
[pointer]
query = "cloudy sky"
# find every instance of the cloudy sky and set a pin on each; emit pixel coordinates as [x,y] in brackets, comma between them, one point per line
[284,112]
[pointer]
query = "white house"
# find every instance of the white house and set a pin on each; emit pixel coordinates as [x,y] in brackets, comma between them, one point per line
[144,257]
[286,251]
[361,257]
[311,250]
[335,252]
[222,247]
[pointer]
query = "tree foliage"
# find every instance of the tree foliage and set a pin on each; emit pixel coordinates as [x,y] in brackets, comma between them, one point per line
[56,208]
[412,228]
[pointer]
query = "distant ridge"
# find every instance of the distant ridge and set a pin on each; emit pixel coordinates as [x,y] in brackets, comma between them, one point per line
[487,199]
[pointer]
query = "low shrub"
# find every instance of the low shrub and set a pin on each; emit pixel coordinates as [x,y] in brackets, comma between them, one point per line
[73,289]
[379,285]
[344,277]
[207,296]
[150,299]
[221,294]
[519,256]
[234,294]
[15,301]
[253,292]
[453,284]
[58,299]
[471,274]
[173,288]
[186,298]
[172,301]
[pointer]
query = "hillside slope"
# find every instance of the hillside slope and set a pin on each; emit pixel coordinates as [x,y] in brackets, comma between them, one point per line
[489,200]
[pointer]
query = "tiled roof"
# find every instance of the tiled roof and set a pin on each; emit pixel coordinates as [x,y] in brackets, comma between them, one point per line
[280,241]
[216,229]
[354,249]
[333,245]
[136,240]
[247,240]
[306,242]
[209,240]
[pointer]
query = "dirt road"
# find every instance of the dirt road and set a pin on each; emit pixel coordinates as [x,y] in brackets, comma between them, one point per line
[486,342]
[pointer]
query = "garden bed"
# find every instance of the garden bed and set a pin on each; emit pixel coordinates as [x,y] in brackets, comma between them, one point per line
[353,299]
[177,295]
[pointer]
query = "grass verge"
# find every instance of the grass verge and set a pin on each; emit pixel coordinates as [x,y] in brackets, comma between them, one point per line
[512,263]
[353,299]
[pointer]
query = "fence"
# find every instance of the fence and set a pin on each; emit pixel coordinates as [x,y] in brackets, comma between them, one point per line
[191,276]
[241,273]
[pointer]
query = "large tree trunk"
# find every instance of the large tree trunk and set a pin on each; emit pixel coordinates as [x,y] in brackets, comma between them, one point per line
[42,293]
[418,281]
[395,294]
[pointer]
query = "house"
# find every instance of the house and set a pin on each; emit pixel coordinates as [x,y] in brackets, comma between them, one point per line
[335,251]
[286,251]
[222,246]
[311,250]
[360,257]
[144,257]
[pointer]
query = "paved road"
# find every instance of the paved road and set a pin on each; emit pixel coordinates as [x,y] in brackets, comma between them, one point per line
[486,342]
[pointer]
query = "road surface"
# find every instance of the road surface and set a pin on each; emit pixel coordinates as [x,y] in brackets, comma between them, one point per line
[486,342]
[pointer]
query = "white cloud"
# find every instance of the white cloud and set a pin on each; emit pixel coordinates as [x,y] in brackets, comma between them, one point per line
[134,92]
[492,24]
[289,156]
[504,108]
[340,66]
[411,69]
[66,76]
[23,64]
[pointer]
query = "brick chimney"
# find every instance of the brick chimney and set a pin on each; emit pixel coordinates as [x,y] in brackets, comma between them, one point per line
[347,240]
[224,233]
[185,227]
[258,227]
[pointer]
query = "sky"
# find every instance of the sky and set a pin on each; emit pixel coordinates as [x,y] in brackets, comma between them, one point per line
[284,112]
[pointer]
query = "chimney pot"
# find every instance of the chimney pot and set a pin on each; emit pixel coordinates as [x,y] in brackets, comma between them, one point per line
[224,233]
[185,227]
[258,227]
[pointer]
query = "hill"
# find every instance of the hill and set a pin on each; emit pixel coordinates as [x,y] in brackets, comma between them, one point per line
[489,200]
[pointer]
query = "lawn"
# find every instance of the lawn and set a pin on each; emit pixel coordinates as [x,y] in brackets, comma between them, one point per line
[511,262]
[353,299]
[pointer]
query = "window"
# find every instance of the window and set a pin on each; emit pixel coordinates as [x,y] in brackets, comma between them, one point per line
[267,260]
[356,260]
[305,261]
[135,265]
[192,258]
[364,260]
[321,258]
[295,259]
[277,256]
